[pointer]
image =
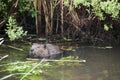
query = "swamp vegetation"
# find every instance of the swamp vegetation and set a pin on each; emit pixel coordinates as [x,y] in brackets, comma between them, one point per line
[95,21]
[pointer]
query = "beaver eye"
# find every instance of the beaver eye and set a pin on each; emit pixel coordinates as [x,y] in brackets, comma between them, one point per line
[38,47]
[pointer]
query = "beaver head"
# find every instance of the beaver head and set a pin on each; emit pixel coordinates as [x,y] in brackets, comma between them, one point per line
[39,50]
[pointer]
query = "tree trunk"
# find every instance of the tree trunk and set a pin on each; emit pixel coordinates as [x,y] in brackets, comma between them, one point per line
[39,17]
[61,5]
[52,13]
[47,18]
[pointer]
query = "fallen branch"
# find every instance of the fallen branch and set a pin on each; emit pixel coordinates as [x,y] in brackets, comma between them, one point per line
[3,57]
[1,40]
[64,60]
[2,22]
[54,60]
[11,75]
[15,48]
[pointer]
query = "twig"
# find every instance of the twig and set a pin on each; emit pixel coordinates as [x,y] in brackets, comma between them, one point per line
[52,60]
[33,69]
[2,22]
[1,42]
[3,57]
[11,75]
[16,3]
[15,48]
[1,38]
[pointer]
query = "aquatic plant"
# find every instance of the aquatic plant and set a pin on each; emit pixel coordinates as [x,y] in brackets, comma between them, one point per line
[37,67]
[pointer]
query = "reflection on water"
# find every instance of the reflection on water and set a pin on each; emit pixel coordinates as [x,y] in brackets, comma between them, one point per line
[101,64]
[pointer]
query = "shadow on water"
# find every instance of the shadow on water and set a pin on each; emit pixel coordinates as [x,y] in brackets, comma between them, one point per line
[101,64]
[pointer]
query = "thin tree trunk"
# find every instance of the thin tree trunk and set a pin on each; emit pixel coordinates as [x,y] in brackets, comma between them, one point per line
[52,13]
[39,17]
[36,17]
[61,5]
[57,24]
[45,8]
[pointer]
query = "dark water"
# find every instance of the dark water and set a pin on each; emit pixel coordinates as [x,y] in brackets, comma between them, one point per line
[101,64]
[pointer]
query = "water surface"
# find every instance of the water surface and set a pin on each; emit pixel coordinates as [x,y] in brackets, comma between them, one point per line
[101,64]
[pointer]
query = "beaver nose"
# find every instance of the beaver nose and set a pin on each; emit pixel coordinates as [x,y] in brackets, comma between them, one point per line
[32,50]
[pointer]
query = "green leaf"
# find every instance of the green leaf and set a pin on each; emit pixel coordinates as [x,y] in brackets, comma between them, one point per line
[106,27]
[13,30]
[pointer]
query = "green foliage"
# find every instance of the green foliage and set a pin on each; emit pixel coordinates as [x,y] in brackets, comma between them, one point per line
[77,2]
[66,3]
[99,8]
[111,7]
[8,8]
[3,9]
[13,30]
[18,7]
[106,27]
[25,5]
[83,2]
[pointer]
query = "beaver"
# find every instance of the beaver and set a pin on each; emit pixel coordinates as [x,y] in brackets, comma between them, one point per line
[44,51]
